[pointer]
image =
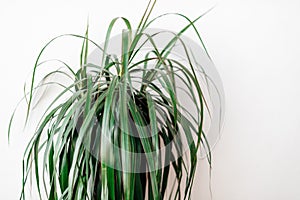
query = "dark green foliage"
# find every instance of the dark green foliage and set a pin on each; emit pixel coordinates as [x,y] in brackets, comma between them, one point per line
[71,154]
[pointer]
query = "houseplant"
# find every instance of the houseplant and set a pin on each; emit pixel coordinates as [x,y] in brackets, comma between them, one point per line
[105,139]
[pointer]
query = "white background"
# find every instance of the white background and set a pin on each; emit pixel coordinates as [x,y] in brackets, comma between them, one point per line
[256,48]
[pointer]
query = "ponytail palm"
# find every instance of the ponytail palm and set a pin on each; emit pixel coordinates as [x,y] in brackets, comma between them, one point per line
[119,131]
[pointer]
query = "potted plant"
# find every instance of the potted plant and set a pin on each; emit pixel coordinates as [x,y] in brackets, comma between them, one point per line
[119,130]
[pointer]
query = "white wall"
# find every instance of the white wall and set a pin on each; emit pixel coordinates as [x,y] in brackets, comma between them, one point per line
[255,46]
